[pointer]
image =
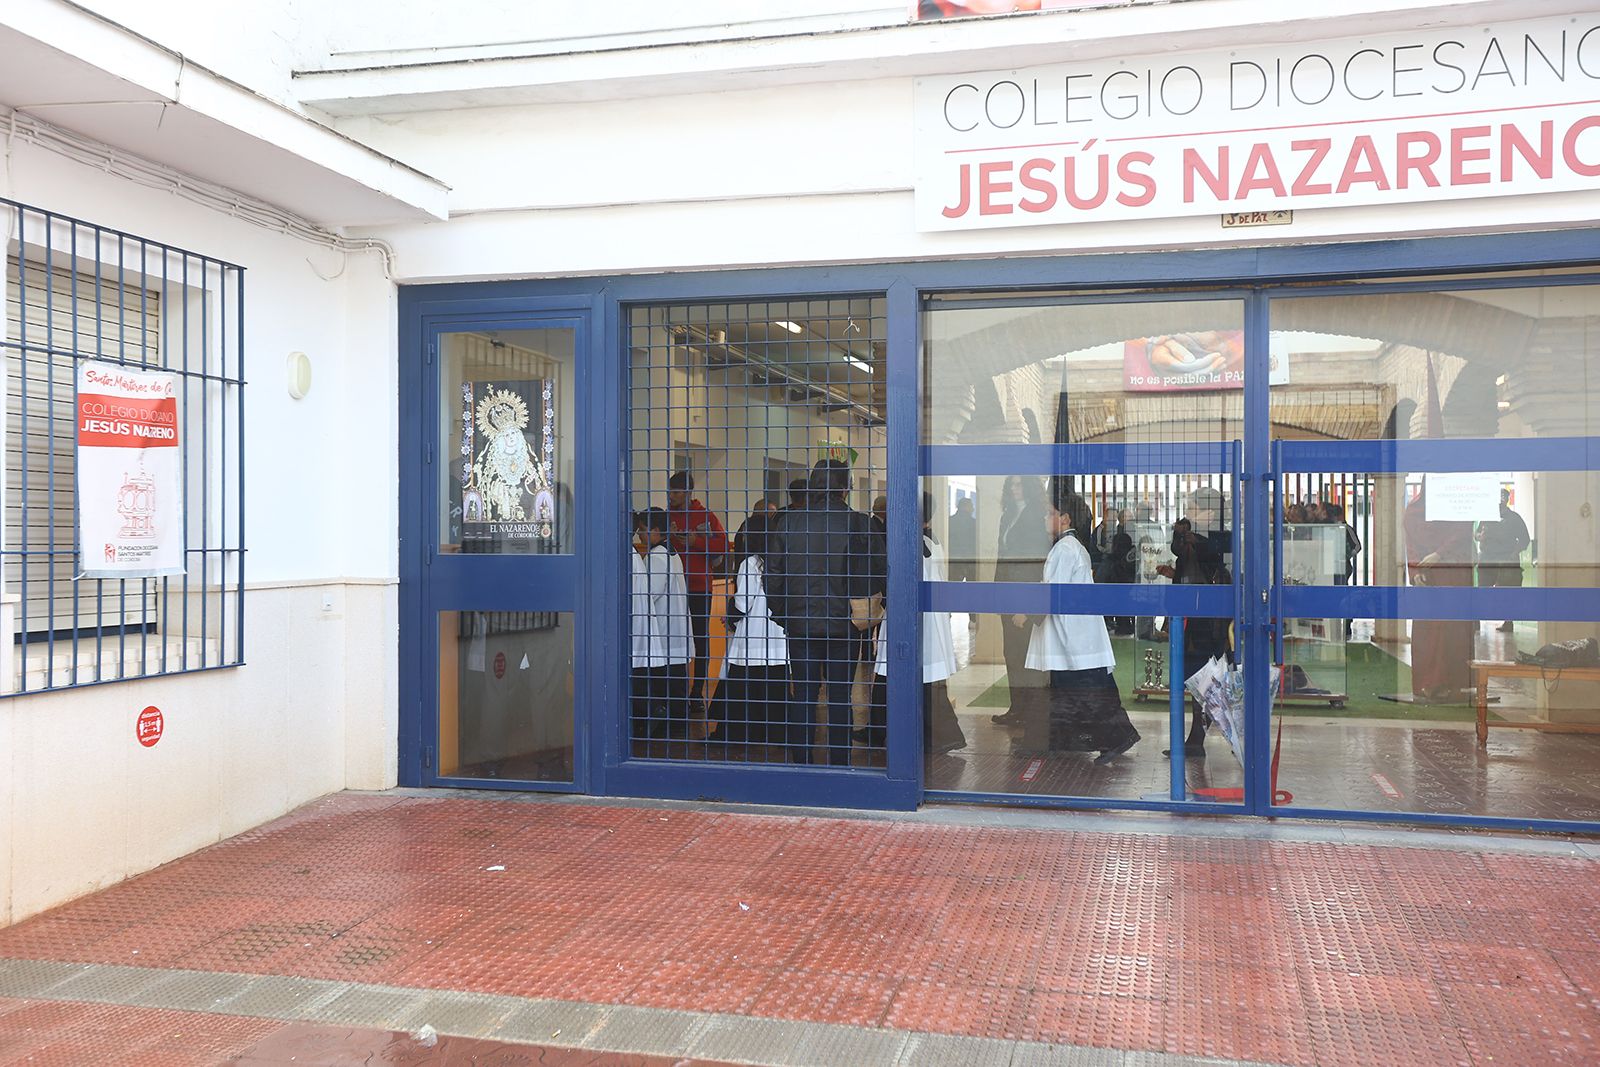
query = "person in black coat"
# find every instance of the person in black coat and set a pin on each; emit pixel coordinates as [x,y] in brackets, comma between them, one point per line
[819,558]
[1204,639]
[1500,546]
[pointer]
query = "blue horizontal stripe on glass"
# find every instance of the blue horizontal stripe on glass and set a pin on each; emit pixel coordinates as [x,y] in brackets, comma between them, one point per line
[1031,598]
[1189,457]
[1440,455]
[1408,602]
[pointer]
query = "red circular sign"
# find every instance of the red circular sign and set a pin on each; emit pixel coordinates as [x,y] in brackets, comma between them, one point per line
[499,665]
[148,728]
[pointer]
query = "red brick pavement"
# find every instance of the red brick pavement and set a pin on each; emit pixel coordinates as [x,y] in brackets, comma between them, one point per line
[1286,952]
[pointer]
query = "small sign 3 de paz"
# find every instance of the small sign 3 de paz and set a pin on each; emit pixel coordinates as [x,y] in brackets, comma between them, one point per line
[1256,218]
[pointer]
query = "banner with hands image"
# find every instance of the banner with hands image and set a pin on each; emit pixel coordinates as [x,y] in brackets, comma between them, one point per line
[129,475]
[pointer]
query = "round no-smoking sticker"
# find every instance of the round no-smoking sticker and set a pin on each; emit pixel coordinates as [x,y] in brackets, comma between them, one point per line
[149,726]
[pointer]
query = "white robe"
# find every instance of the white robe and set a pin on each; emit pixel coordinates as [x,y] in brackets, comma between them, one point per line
[938,647]
[1069,642]
[757,641]
[660,622]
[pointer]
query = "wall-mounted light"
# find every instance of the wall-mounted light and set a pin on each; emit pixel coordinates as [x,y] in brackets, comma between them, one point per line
[299,375]
[792,327]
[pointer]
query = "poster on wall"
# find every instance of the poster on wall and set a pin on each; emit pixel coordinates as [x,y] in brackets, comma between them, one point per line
[504,488]
[129,477]
[1204,359]
[932,10]
[1470,496]
[1153,545]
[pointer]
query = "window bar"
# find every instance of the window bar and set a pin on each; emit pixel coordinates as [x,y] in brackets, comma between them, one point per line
[144,363]
[205,466]
[122,356]
[164,336]
[99,586]
[238,392]
[1371,525]
[183,453]
[222,465]
[22,375]
[50,459]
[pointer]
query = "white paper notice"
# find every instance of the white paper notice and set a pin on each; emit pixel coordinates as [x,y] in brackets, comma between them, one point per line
[1470,497]
[130,489]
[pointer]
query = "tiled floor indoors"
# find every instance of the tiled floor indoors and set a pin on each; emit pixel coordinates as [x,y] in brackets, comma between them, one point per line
[1401,759]
[393,910]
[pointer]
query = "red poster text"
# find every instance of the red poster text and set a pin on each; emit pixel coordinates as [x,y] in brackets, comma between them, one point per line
[126,422]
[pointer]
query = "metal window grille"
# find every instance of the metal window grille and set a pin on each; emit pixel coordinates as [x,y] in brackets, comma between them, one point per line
[77,291]
[745,399]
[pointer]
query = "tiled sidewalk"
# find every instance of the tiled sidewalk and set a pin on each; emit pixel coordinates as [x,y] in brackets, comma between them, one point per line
[1254,950]
[76,1033]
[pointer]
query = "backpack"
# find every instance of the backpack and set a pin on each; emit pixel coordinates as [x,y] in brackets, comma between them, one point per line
[1558,655]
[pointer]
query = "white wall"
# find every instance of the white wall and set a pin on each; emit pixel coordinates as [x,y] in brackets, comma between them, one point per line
[314,710]
[373,25]
[792,175]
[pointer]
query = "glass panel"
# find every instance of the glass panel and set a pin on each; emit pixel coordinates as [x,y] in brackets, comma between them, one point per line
[1493,529]
[1387,721]
[1040,732]
[994,527]
[505,695]
[732,407]
[1379,713]
[1159,371]
[506,441]
[1474,363]
[1069,373]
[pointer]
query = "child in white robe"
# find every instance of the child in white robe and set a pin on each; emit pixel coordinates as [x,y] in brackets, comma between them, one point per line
[1086,712]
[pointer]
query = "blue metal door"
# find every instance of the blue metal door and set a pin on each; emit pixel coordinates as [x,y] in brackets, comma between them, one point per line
[496,511]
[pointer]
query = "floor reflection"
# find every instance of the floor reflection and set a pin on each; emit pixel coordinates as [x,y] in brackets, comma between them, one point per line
[1372,754]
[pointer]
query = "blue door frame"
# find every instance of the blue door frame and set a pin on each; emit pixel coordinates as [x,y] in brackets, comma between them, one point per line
[1257,273]
[434,582]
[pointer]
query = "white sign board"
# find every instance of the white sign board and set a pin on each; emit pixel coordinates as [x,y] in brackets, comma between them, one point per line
[1469,497]
[129,481]
[1427,115]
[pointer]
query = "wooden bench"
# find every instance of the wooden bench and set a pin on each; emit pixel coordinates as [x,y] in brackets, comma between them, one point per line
[1484,669]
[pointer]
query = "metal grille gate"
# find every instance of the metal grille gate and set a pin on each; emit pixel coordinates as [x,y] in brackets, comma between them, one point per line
[758,458]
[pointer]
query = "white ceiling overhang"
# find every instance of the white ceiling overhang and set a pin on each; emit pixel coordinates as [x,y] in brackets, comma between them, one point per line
[92,77]
[631,64]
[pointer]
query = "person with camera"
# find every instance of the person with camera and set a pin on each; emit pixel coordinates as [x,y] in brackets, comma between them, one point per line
[1198,563]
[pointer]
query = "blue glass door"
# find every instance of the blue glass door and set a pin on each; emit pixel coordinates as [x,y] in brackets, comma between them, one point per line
[1084,472]
[501,498]
[1434,468]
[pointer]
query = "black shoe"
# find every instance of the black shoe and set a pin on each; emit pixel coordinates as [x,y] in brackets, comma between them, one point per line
[1112,753]
[1504,627]
[1189,751]
[1009,718]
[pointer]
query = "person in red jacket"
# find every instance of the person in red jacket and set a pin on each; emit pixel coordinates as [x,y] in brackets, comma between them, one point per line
[700,541]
